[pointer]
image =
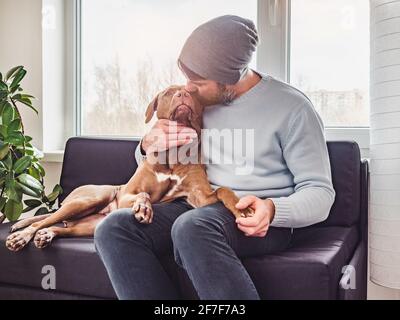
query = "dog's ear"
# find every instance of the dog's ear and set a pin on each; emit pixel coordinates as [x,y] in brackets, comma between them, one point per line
[151,109]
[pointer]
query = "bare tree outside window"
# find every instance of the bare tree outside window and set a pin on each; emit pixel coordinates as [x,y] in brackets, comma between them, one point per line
[129,54]
[119,102]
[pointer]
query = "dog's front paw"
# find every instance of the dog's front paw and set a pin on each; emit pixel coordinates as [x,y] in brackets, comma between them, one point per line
[43,238]
[143,210]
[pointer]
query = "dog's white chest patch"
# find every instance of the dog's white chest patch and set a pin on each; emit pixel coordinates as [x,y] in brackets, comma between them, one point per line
[163,177]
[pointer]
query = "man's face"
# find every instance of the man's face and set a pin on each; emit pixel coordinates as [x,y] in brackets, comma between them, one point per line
[210,92]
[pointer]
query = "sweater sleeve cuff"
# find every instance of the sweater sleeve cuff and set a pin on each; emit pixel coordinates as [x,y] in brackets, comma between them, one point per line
[282,212]
[138,154]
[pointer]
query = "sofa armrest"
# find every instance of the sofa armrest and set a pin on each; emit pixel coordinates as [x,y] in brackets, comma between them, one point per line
[353,283]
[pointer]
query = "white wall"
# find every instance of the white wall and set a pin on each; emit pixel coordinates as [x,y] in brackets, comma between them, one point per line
[384,221]
[21,44]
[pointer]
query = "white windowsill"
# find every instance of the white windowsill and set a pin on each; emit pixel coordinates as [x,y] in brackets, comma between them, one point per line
[359,135]
[53,156]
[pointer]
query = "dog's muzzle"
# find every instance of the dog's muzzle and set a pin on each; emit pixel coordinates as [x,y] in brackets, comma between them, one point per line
[181,113]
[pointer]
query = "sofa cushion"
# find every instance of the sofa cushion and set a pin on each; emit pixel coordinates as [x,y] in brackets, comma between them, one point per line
[310,269]
[78,268]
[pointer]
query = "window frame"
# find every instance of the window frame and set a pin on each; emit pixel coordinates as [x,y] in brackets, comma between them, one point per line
[277,59]
[73,68]
[273,59]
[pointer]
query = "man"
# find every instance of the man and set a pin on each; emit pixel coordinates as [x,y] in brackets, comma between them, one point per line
[289,186]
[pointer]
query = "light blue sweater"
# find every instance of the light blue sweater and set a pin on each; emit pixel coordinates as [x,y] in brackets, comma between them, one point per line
[289,163]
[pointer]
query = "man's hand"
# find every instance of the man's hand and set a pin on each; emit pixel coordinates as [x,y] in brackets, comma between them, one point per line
[258,224]
[166,134]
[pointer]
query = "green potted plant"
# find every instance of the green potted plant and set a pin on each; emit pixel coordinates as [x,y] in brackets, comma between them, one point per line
[20,170]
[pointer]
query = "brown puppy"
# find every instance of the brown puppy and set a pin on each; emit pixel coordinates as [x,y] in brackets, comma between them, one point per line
[154,181]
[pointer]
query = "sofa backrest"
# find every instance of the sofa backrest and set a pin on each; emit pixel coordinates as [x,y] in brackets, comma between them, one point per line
[112,161]
[97,161]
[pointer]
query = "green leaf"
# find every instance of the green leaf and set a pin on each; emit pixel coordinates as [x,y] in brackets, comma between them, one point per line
[7,114]
[40,211]
[3,173]
[58,188]
[3,130]
[13,210]
[53,196]
[23,96]
[14,125]
[39,167]
[28,139]
[1,76]
[3,95]
[33,203]
[28,191]
[30,182]
[2,203]
[28,151]
[28,103]
[13,191]
[20,74]
[4,151]
[12,71]
[8,161]
[27,209]
[22,164]
[2,103]
[34,172]
[3,86]
[15,138]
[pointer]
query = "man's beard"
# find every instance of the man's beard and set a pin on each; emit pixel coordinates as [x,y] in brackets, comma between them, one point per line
[223,96]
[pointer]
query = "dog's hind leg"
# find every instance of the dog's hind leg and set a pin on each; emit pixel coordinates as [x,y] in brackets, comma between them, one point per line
[77,207]
[78,228]
[28,221]
[87,199]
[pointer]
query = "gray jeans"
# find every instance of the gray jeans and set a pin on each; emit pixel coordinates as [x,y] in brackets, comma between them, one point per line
[205,241]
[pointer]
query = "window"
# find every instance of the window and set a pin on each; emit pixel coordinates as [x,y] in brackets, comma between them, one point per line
[329,58]
[129,50]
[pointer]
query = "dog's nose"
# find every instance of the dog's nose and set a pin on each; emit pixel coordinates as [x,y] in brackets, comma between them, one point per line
[182,93]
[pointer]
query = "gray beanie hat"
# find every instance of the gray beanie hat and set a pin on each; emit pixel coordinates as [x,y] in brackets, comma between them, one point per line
[219,49]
